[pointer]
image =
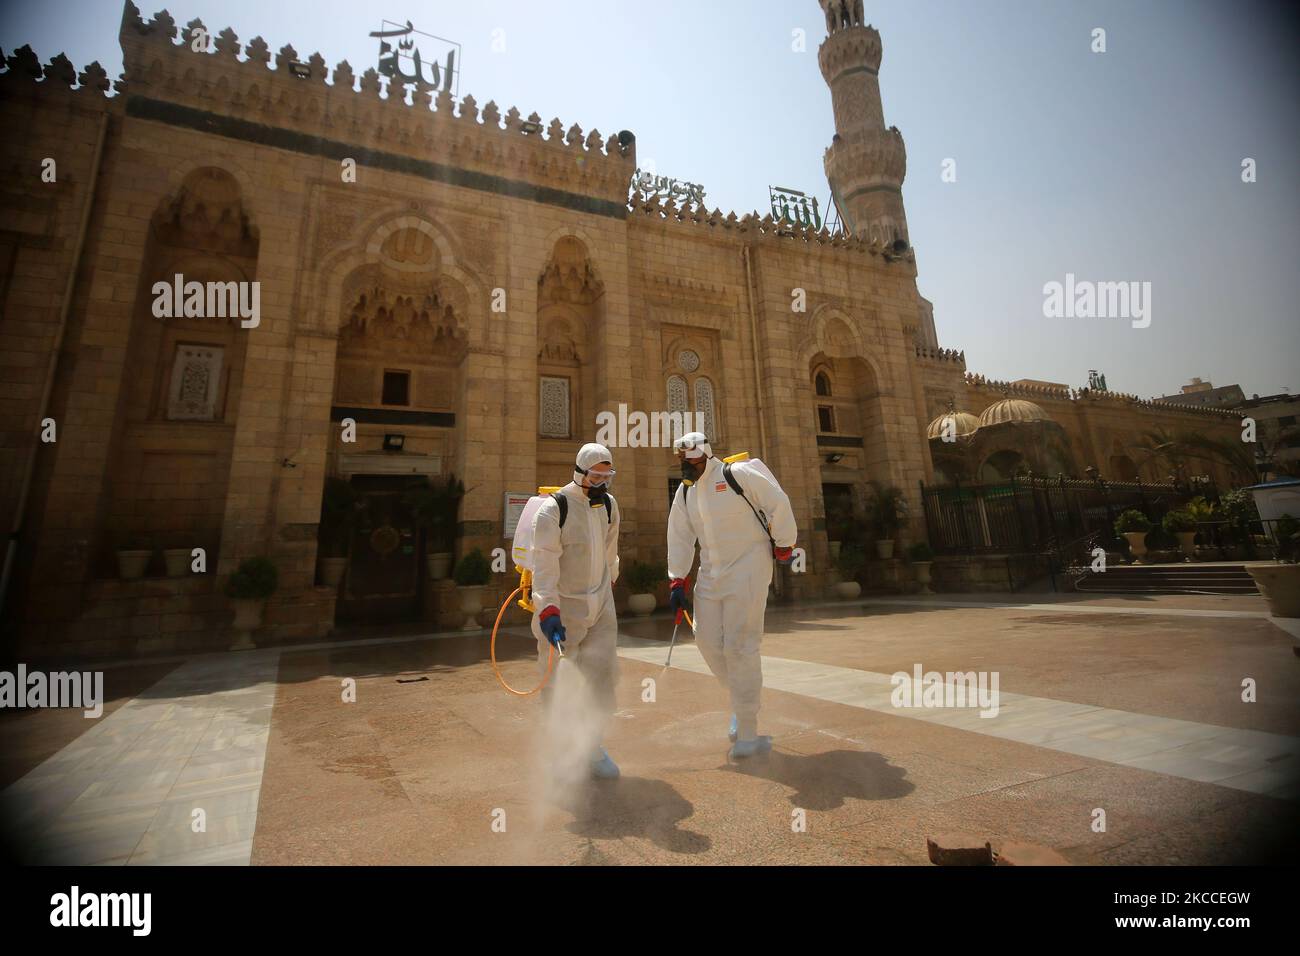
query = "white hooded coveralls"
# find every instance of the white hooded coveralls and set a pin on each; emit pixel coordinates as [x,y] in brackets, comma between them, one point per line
[574,569]
[735,571]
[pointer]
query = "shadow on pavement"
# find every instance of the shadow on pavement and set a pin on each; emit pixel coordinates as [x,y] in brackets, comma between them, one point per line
[634,807]
[824,781]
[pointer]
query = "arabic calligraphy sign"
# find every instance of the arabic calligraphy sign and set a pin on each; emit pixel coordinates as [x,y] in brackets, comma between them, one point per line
[794,207]
[648,184]
[403,63]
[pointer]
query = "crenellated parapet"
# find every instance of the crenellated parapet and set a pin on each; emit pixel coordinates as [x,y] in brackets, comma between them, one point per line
[165,72]
[1017,389]
[1040,392]
[752,228]
[23,74]
[941,356]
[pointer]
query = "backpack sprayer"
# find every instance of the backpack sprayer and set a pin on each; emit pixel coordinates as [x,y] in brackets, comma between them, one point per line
[522,552]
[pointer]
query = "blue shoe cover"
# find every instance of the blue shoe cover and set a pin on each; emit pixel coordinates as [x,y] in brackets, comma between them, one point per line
[602,768]
[750,748]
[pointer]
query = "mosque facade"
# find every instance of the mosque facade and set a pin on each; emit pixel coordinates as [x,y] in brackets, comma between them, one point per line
[393,290]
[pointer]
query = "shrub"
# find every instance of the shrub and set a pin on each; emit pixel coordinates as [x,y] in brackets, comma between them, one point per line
[852,560]
[256,579]
[1179,522]
[434,507]
[920,552]
[472,569]
[1238,508]
[644,576]
[1132,521]
[887,509]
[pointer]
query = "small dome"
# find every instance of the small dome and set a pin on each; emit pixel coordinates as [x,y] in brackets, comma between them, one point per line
[1012,410]
[963,424]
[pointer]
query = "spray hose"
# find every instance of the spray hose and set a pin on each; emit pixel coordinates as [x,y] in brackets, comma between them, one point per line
[492,649]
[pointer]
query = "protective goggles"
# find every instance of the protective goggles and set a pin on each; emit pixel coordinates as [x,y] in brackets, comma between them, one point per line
[597,475]
[683,447]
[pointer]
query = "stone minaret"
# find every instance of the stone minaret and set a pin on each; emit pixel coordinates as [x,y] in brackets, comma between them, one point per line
[866,162]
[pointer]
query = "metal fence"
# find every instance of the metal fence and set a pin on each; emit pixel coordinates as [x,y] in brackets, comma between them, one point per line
[1041,515]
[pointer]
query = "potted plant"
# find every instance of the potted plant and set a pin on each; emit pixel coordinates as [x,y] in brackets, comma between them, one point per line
[1182,525]
[921,557]
[850,563]
[1133,526]
[887,509]
[643,578]
[434,508]
[472,572]
[134,558]
[248,588]
[338,517]
[839,524]
[177,561]
[1280,583]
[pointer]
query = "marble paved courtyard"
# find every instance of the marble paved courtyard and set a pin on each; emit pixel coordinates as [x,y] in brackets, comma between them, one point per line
[1131,706]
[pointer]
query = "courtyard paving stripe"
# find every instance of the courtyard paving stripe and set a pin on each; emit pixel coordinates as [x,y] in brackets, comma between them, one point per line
[1252,760]
[125,790]
[1061,608]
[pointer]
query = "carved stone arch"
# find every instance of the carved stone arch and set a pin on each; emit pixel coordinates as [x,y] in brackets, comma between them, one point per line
[179,174]
[817,342]
[206,210]
[569,274]
[341,266]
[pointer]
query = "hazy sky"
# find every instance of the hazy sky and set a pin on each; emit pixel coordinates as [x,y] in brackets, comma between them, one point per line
[1123,165]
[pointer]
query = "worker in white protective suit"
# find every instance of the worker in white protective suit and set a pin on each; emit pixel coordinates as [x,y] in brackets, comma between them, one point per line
[575,541]
[742,521]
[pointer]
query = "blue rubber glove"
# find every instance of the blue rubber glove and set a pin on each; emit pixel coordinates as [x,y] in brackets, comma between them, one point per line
[551,626]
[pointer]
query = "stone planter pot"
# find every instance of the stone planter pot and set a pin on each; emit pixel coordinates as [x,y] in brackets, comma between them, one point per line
[835,549]
[131,564]
[331,571]
[439,565]
[248,618]
[923,576]
[641,604]
[1187,543]
[1137,544]
[471,602]
[847,590]
[1280,585]
[178,561]
[885,549]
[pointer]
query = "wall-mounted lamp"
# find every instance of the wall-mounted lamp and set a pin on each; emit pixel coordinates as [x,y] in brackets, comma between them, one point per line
[394,442]
[300,70]
[834,459]
[528,126]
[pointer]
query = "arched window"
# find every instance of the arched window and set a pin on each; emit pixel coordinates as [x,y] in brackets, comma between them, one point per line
[704,416]
[678,399]
[823,384]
